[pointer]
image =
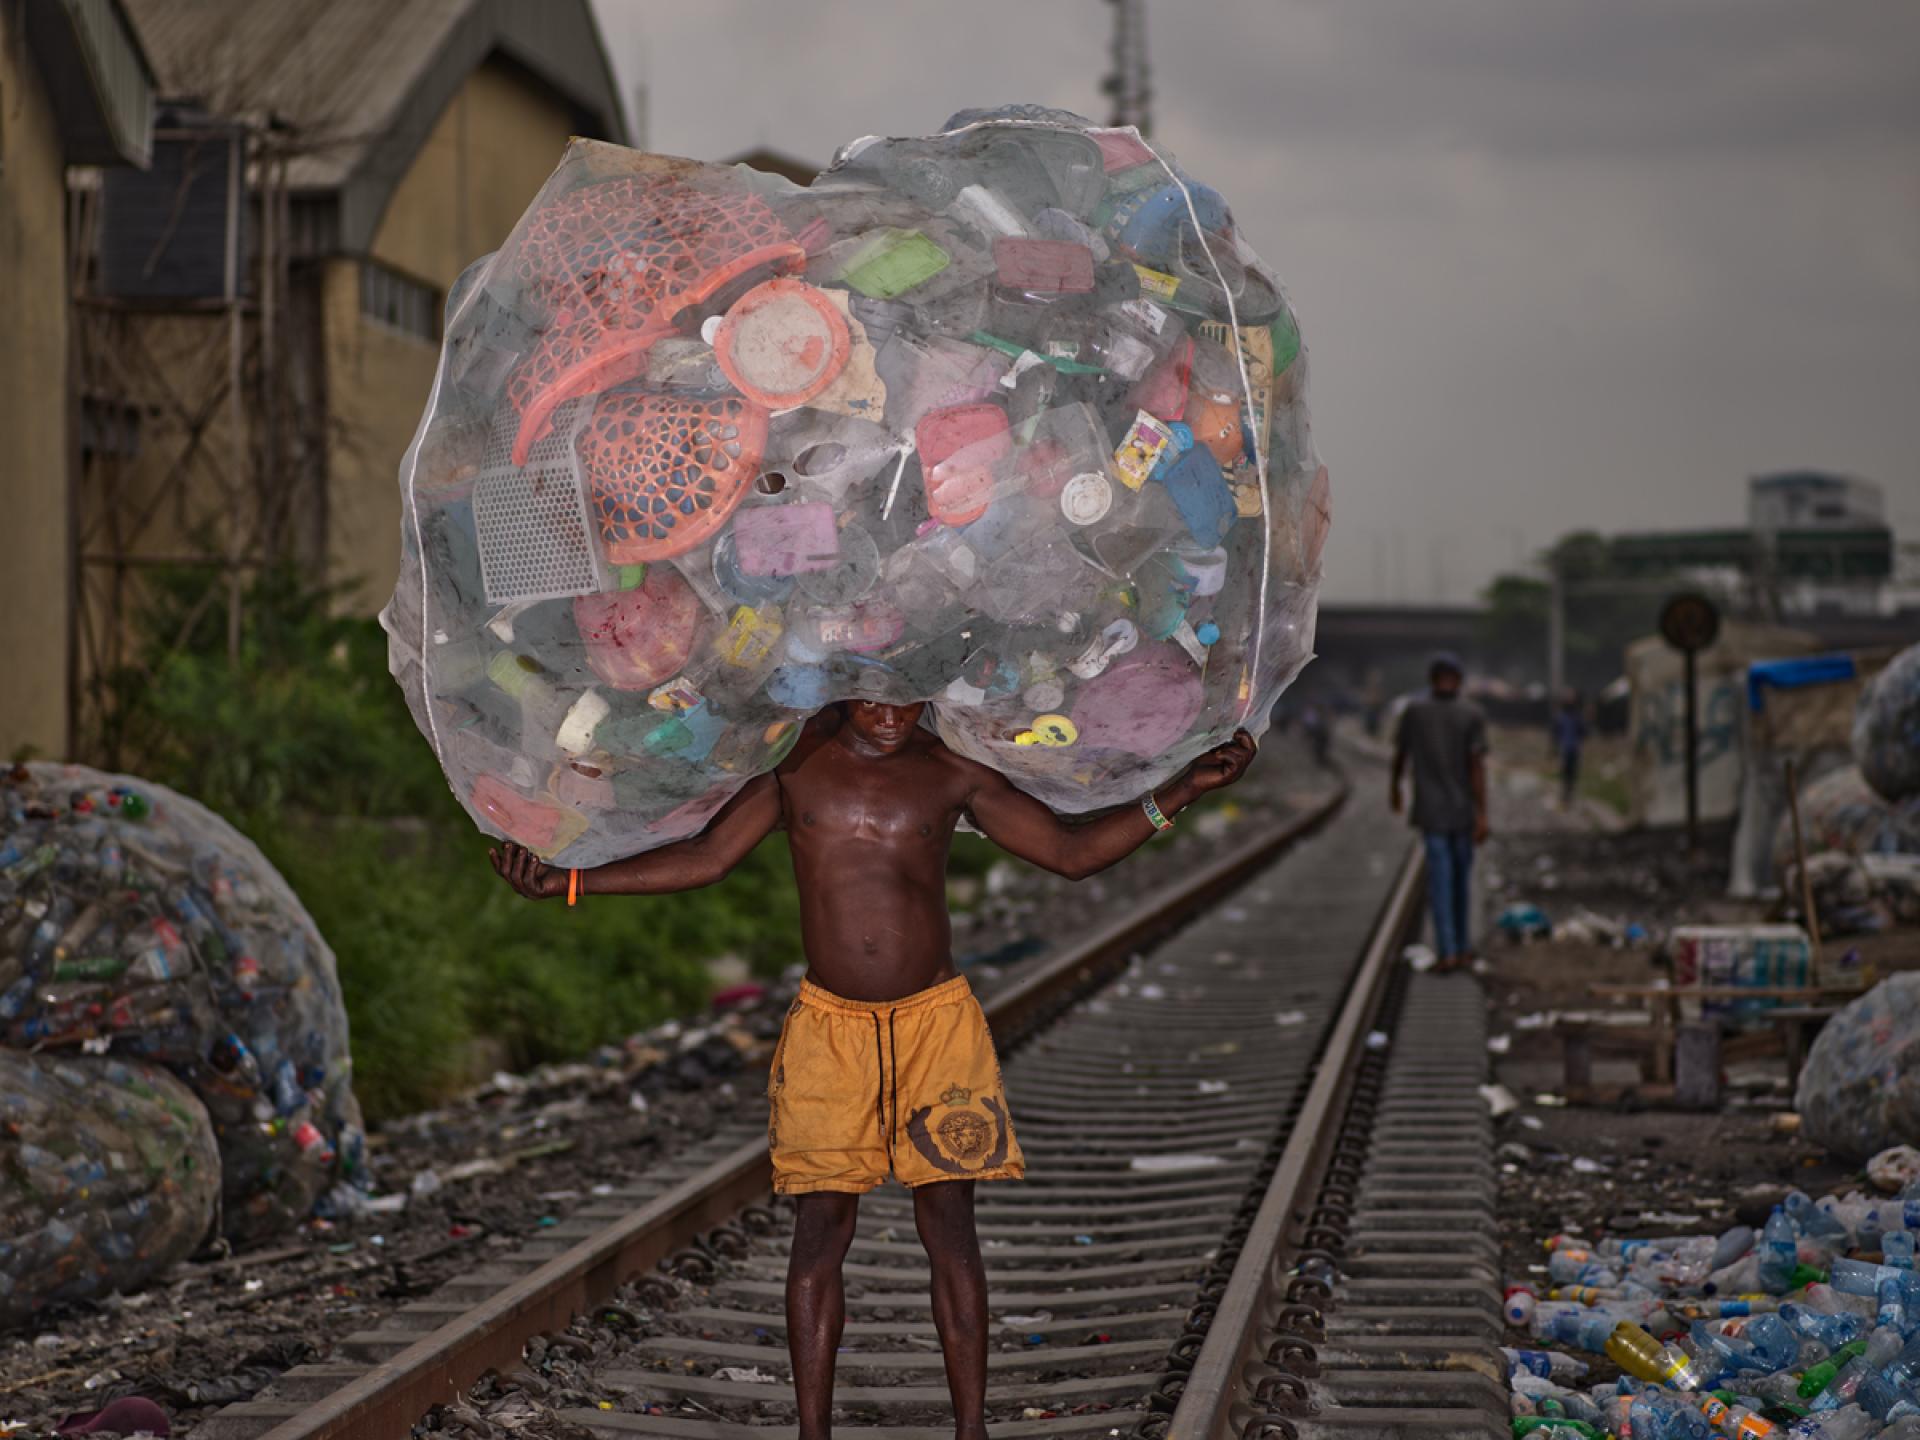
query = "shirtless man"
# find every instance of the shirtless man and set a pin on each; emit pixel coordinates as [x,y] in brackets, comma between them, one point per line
[885,1061]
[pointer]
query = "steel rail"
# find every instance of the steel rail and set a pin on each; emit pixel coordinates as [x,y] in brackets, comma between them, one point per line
[1216,1401]
[391,1396]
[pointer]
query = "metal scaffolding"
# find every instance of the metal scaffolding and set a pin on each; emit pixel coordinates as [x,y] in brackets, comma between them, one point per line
[193,458]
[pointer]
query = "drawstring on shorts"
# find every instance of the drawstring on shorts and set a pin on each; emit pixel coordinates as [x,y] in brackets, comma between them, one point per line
[880,1054]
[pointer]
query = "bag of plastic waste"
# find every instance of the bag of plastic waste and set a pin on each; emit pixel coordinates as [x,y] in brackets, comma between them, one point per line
[1010,419]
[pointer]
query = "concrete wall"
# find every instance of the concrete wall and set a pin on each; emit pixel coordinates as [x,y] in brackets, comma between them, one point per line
[486,158]
[34,414]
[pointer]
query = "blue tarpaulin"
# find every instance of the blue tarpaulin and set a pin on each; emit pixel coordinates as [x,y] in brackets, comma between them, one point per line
[1793,674]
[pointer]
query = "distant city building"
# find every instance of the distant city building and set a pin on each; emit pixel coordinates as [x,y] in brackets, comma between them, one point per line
[1813,500]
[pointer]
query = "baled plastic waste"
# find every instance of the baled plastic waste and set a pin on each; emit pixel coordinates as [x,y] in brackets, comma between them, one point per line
[1010,419]
[1859,1091]
[112,1176]
[1886,728]
[139,930]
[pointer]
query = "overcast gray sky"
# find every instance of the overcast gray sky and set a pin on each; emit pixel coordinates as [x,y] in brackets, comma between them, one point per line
[1559,263]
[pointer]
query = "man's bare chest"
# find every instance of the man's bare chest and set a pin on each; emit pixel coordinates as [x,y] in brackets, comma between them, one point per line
[902,801]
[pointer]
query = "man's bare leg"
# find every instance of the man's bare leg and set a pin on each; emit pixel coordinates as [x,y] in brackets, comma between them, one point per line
[943,1213]
[817,1302]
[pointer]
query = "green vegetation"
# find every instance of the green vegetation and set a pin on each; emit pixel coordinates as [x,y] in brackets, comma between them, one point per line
[307,746]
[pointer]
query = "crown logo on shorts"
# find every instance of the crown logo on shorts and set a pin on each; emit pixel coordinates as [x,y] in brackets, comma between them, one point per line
[956,1095]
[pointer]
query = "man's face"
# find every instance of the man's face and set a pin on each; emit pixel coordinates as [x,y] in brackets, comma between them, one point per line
[882,727]
[1446,682]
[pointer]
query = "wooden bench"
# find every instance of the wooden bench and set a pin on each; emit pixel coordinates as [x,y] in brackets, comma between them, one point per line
[1698,1045]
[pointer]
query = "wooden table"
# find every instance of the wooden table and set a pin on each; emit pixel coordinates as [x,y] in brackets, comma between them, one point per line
[1663,1008]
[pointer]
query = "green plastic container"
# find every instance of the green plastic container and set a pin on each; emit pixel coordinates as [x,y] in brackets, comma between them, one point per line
[894,262]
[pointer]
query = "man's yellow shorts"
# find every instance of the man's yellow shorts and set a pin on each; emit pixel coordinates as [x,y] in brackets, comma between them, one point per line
[861,1087]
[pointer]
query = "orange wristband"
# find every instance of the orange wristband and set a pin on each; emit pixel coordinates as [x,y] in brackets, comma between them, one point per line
[573,887]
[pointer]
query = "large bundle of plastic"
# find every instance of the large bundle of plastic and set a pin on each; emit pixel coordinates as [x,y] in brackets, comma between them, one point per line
[136,922]
[1886,728]
[1840,811]
[1008,418]
[111,1175]
[1860,1088]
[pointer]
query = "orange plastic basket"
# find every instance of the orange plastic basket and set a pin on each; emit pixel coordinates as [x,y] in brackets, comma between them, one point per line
[664,472]
[613,264]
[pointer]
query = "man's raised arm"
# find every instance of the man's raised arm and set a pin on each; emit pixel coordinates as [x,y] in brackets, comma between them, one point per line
[1018,823]
[743,822]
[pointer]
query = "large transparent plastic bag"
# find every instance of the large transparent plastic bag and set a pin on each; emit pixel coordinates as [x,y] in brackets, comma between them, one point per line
[1010,419]
[1886,728]
[1859,1091]
[136,923]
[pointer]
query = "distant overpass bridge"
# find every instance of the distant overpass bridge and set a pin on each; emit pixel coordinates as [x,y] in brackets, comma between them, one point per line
[1395,641]
[1354,640]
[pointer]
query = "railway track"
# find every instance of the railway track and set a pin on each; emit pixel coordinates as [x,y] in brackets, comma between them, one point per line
[1239,1218]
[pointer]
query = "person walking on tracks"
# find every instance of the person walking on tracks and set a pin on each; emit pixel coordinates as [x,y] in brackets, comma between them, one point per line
[885,1062]
[1444,737]
[1569,734]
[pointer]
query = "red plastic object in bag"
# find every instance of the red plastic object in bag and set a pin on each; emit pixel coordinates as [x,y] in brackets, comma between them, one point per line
[1047,267]
[958,447]
[637,638]
[536,824]
[664,472]
[1162,391]
[782,343]
[615,263]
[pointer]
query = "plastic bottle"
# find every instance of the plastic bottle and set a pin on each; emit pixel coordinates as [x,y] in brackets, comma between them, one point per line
[1740,1278]
[1779,1252]
[1658,1416]
[1547,1364]
[1581,1268]
[1583,1328]
[1732,1418]
[1548,1398]
[1892,1299]
[1814,1221]
[1722,1346]
[1642,1356]
[1902,1373]
[1852,1423]
[1773,1341]
[1859,1277]
[1517,1305]
[1832,1331]
[1732,1245]
[1882,1347]
[1836,1302]
[1897,1249]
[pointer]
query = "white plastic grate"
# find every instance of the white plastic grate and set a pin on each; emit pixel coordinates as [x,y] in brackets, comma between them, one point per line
[536,536]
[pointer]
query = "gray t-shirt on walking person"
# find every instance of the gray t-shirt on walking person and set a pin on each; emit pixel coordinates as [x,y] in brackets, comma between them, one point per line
[1441,737]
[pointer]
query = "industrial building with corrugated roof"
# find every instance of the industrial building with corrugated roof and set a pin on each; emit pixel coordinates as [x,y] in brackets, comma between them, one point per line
[257,307]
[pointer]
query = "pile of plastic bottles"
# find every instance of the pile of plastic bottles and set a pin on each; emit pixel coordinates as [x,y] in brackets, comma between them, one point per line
[1808,1329]
[1010,419]
[140,930]
[1886,728]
